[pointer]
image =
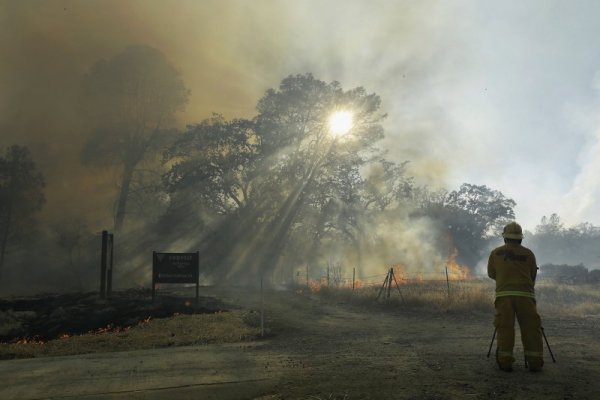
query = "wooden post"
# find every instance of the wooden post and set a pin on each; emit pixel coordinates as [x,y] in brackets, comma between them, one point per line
[197,277]
[103,264]
[307,283]
[353,277]
[153,283]
[387,276]
[262,309]
[109,248]
[448,282]
[328,275]
[389,288]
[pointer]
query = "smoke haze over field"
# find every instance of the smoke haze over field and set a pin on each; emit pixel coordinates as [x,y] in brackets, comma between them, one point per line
[497,94]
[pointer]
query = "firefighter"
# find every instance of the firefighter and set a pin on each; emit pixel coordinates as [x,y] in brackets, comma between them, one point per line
[514,269]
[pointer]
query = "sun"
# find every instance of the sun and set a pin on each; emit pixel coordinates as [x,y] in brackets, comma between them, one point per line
[340,122]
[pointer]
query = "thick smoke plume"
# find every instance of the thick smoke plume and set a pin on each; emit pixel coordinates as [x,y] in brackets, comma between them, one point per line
[228,53]
[419,57]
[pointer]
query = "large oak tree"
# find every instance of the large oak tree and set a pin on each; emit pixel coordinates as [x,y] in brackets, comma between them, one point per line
[133,99]
[21,194]
[279,173]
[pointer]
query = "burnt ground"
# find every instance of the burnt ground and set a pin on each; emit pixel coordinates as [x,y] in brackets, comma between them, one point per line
[47,317]
[318,348]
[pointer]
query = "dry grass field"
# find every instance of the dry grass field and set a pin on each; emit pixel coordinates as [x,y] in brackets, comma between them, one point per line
[470,296]
[340,344]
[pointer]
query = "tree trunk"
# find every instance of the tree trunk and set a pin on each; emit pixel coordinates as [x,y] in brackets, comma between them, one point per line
[123,195]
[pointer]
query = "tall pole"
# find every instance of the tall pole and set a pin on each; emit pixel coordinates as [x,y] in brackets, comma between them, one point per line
[447,282]
[307,282]
[353,277]
[197,277]
[103,260]
[109,272]
[262,309]
[153,273]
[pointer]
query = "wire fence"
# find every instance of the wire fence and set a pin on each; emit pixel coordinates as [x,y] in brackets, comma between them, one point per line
[332,278]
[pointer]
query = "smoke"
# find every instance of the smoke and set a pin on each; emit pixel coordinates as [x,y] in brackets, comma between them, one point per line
[413,243]
[583,196]
[448,110]
[578,204]
[229,53]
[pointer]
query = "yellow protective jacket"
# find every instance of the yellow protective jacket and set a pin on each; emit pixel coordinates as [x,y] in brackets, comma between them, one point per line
[514,269]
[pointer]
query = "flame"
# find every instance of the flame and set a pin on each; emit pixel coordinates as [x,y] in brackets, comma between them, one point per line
[30,341]
[110,328]
[400,274]
[456,271]
[316,285]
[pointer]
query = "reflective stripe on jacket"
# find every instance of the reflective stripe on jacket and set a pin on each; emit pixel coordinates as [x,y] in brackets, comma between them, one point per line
[515,293]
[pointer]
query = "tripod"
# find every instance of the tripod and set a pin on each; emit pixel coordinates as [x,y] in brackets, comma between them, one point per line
[545,339]
[387,285]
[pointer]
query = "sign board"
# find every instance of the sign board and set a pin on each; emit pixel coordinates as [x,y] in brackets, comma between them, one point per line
[175,268]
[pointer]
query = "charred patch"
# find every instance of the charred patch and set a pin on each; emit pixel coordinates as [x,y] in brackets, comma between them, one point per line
[48,317]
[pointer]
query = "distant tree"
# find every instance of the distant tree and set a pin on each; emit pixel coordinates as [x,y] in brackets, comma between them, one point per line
[470,216]
[132,99]
[21,194]
[490,208]
[584,229]
[594,276]
[550,226]
[565,273]
[554,243]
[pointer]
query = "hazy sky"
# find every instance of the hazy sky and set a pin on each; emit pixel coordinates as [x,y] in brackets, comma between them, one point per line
[497,93]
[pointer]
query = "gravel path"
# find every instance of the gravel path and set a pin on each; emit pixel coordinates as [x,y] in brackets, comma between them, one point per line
[325,351]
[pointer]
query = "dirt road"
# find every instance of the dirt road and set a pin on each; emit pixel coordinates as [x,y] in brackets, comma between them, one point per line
[326,351]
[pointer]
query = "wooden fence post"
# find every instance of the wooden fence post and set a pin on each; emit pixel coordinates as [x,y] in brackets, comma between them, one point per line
[109,269]
[103,264]
[448,282]
[307,282]
[262,309]
[153,283]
